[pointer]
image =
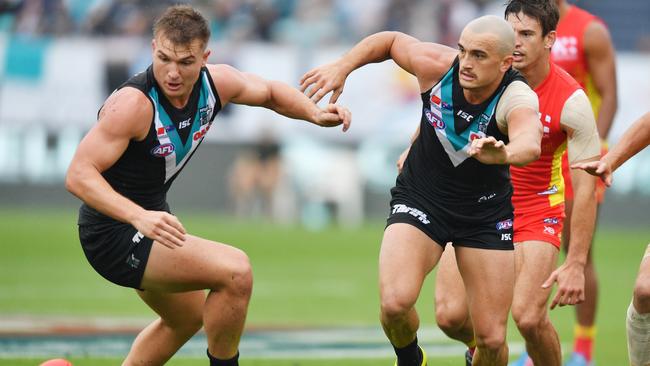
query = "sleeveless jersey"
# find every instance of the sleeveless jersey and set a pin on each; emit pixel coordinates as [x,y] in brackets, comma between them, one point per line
[438,168]
[568,51]
[147,168]
[540,185]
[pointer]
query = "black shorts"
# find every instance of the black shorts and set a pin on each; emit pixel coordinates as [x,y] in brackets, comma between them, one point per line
[491,233]
[117,251]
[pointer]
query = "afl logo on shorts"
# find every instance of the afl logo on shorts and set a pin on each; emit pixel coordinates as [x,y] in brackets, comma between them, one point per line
[163,150]
[504,225]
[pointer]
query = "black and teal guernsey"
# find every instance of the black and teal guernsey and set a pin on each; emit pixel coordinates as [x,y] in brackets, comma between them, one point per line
[438,172]
[147,168]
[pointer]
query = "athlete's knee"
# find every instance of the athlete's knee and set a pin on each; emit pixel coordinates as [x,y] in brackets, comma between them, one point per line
[492,339]
[642,293]
[394,305]
[239,275]
[451,317]
[529,321]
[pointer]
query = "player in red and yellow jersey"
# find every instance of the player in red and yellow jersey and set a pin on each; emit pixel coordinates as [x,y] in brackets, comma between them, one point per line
[538,199]
[584,49]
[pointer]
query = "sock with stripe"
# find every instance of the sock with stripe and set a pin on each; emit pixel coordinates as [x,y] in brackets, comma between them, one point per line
[584,341]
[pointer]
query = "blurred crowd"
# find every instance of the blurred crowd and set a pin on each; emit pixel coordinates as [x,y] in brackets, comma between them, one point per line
[317,22]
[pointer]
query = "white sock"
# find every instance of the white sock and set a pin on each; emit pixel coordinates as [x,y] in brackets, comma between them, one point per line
[638,337]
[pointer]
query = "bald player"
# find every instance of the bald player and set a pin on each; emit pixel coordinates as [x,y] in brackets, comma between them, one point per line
[478,117]
[538,198]
[635,139]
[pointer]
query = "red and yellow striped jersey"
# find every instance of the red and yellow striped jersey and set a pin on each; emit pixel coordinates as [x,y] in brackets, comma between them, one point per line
[540,184]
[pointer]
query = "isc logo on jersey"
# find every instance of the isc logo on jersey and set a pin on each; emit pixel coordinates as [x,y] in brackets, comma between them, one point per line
[163,150]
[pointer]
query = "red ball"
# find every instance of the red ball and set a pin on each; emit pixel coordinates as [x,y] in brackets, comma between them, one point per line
[56,362]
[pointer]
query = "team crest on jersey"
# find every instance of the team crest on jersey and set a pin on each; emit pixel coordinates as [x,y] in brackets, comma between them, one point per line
[163,150]
[204,115]
[433,119]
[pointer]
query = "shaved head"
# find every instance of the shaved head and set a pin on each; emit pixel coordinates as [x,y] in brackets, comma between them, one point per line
[499,30]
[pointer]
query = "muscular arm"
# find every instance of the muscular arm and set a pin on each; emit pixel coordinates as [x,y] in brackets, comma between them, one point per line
[517,117]
[525,135]
[583,146]
[245,88]
[577,121]
[600,56]
[427,61]
[126,116]
[635,139]
[424,60]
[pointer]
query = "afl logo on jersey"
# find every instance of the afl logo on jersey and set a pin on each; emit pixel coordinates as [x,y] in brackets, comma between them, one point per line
[504,225]
[434,120]
[163,150]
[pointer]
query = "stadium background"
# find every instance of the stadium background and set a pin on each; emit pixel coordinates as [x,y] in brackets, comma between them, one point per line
[314,240]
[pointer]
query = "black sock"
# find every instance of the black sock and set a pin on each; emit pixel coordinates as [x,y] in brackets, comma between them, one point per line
[217,362]
[409,355]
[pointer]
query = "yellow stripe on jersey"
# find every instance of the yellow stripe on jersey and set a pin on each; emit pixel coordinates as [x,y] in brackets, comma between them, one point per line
[557,179]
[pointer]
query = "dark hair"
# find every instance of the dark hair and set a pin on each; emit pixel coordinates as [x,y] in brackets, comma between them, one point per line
[182,24]
[545,11]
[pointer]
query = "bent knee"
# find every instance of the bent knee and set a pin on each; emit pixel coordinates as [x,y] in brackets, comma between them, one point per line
[491,340]
[240,275]
[395,306]
[451,318]
[528,317]
[530,323]
[642,292]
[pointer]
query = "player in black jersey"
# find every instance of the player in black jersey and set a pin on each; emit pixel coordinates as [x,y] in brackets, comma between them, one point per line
[479,116]
[147,131]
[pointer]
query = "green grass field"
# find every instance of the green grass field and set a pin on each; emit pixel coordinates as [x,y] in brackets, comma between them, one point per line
[302,279]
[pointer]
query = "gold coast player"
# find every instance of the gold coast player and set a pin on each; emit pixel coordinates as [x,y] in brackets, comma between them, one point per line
[147,131]
[635,139]
[584,49]
[478,116]
[538,198]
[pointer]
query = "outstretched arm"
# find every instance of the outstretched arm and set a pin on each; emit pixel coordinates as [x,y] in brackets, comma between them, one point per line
[635,139]
[427,61]
[602,67]
[517,117]
[245,88]
[125,116]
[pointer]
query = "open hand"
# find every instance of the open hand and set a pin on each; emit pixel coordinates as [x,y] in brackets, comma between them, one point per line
[598,168]
[322,80]
[488,150]
[570,280]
